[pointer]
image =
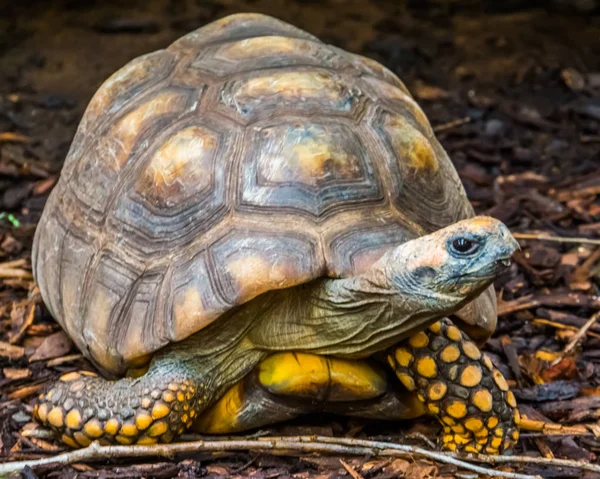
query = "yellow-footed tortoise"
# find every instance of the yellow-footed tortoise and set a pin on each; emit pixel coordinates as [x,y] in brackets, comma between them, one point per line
[251,225]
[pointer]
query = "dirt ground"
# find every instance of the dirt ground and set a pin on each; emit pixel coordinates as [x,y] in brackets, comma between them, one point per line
[512,88]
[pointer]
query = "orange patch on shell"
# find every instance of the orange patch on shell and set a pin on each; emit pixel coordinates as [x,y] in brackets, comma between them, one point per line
[291,86]
[181,167]
[255,275]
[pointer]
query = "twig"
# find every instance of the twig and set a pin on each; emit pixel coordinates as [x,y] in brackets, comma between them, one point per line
[577,337]
[556,239]
[451,124]
[300,444]
[351,471]
[15,273]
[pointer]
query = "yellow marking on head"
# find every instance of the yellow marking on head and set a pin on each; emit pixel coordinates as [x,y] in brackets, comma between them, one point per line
[450,354]
[492,422]
[437,390]
[55,417]
[158,428]
[82,439]
[160,410]
[143,420]
[168,396]
[515,435]
[93,428]
[496,442]
[453,333]
[471,350]
[458,429]
[449,421]
[173,387]
[446,438]
[483,400]
[180,397]
[419,340]
[73,419]
[408,382]
[499,432]
[450,446]
[73,376]
[473,448]
[491,450]
[435,327]
[488,362]
[69,441]
[473,424]
[147,441]
[129,430]
[403,357]
[471,376]
[482,432]
[457,409]
[124,440]
[42,412]
[483,440]
[433,409]
[192,414]
[112,426]
[146,403]
[500,381]
[184,418]
[510,399]
[517,416]
[426,367]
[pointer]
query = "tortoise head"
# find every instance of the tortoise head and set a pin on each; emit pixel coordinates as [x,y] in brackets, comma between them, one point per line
[452,265]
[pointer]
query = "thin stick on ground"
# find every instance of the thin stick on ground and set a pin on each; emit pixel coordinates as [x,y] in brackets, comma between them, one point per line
[282,445]
[556,239]
[577,337]
[451,124]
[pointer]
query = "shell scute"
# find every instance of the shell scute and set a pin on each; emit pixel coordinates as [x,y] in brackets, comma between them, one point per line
[264,95]
[313,168]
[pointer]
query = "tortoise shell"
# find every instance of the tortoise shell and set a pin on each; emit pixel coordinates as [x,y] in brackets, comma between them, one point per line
[247,156]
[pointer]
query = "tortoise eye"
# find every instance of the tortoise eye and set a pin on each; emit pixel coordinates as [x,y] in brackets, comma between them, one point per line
[464,246]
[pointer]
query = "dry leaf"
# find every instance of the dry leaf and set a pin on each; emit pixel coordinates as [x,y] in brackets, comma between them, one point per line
[54,346]
[16,373]
[421,470]
[10,351]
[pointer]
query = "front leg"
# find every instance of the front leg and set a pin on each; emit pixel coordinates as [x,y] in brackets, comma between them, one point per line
[460,386]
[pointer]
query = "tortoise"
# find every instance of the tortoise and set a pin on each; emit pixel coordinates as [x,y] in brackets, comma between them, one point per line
[252,225]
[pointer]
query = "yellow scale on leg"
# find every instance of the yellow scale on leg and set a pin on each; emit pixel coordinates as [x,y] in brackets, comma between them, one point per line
[460,386]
